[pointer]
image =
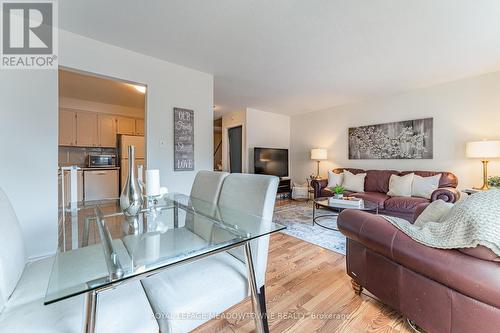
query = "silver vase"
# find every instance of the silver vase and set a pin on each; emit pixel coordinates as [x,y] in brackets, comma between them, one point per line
[131,198]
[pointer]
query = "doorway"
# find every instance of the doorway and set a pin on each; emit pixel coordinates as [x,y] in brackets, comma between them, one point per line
[99,117]
[235,151]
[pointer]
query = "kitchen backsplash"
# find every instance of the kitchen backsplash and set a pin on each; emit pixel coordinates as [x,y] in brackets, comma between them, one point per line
[78,155]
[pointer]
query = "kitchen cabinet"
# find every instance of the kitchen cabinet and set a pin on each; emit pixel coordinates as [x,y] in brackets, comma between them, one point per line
[67,128]
[139,127]
[107,130]
[92,129]
[125,125]
[86,129]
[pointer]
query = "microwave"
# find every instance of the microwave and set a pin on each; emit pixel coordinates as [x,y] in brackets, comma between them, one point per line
[101,161]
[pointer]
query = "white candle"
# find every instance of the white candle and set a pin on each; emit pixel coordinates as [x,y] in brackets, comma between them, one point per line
[153,182]
[152,245]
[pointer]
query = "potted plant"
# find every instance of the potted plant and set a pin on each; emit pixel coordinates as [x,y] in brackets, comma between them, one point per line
[494,181]
[338,190]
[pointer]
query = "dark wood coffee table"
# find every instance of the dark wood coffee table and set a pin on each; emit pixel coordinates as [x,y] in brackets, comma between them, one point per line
[323,202]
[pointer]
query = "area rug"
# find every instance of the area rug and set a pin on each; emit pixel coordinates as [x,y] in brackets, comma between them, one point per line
[297,217]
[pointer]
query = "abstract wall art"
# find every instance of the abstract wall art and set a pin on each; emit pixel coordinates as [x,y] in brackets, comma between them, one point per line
[410,139]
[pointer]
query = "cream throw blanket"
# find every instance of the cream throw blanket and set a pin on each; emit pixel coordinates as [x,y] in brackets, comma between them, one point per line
[471,222]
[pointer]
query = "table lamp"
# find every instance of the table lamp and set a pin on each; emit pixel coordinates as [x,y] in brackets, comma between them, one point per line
[318,154]
[483,150]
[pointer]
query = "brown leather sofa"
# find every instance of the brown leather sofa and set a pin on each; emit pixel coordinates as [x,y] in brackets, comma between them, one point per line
[442,291]
[377,186]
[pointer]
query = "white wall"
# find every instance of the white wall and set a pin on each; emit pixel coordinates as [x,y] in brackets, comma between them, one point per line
[29,126]
[260,129]
[266,129]
[463,110]
[28,153]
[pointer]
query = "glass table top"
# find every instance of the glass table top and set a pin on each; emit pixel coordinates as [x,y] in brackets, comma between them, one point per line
[101,246]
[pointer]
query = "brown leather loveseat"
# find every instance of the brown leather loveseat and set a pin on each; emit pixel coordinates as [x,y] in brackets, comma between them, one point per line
[377,186]
[442,291]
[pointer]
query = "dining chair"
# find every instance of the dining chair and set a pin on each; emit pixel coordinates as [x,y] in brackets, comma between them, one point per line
[23,284]
[191,294]
[207,185]
[206,188]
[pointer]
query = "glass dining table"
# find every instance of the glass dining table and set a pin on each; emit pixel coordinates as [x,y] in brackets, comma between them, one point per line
[101,248]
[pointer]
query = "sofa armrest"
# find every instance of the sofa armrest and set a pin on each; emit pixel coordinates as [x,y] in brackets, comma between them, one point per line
[469,275]
[318,185]
[373,231]
[447,194]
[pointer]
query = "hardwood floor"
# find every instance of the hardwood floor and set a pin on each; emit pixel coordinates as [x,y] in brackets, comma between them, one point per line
[308,291]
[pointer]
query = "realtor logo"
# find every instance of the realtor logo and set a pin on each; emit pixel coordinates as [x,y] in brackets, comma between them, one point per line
[29,38]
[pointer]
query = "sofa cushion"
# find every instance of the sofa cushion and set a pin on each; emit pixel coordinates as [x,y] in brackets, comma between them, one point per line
[447,178]
[400,186]
[376,197]
[335,179]
[423,187]
[403,204]
[354,182]
[378,180]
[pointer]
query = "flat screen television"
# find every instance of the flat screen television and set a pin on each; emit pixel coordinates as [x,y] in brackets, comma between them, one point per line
[271,161]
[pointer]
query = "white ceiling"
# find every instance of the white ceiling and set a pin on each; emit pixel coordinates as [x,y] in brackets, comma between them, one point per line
[292,56]
[99,89]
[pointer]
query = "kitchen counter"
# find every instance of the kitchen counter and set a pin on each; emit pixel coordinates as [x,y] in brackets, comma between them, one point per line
[104,168]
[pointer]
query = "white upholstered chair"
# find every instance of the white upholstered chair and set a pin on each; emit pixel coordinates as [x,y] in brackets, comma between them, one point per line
[23,285]
[207,185]
[211,285]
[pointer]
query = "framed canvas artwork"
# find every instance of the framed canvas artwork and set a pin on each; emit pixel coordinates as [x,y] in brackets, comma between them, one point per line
[410,139]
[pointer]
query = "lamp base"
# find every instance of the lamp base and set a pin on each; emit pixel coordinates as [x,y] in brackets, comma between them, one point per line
[485,177]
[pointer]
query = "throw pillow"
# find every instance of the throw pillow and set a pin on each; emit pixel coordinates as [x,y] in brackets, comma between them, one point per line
[335,179]
[433,213]
[424,186]
[400,186]
[354,183]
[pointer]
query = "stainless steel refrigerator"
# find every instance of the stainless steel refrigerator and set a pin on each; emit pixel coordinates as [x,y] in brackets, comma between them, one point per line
[140,155]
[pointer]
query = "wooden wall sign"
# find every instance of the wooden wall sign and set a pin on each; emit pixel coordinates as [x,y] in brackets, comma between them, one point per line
[183,139]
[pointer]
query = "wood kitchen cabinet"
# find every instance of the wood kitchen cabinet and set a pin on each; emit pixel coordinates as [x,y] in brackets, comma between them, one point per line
[139,127]
[87,129]
[125,125]
[67,128]
[107,130]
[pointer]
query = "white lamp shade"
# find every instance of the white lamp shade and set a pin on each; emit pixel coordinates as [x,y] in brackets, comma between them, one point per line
[319,154]
[483,149]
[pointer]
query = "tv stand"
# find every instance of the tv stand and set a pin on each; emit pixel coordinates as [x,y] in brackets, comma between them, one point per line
[284,187]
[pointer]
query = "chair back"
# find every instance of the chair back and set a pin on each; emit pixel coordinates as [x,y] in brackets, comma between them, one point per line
[206,187]
[12,251]
[255,195]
